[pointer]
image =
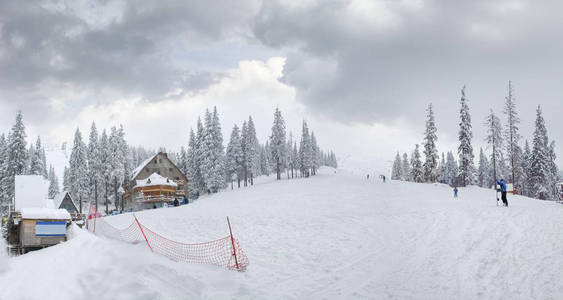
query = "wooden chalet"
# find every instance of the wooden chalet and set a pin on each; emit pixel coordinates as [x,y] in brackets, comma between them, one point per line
[154,183]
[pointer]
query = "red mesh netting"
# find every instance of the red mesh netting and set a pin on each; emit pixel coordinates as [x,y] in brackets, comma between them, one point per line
[224,252]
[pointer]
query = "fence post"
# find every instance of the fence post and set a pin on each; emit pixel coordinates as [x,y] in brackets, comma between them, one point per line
[95,217]
[233,243]
[139,224]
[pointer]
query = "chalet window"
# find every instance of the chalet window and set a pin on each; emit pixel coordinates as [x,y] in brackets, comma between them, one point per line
[177,178]
[155,161]
[170,169]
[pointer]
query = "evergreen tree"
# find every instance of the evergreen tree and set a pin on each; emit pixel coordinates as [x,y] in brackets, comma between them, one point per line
[397,170]
[305,152]
[278,143]
[296,158]
[53,183]
[116,172]
[78,180]
[35,161]
[15,161]
[465,149]
[443,170]
[66,179]
[483,171]
[269,163]
[430,151]
[213,159]
[417,173]
[527,169]
[452,170]
[553,173]
[252,145]
[291,159]
[264,160]
[94,163]
[405,164]
[124,149]
[106,167]
[245,151]
[4,201]
[234,163]
[194,173]
[512,137]
[494,141]
[183,161]
[540,171]
[314,153]
[201,148]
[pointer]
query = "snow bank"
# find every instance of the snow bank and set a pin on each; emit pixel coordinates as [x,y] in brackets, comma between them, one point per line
[4,259]
[45,213]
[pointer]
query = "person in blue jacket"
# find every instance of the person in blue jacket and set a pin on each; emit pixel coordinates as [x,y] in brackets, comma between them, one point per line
[503,191]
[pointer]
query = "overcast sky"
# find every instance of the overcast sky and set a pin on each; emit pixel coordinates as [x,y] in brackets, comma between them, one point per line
[360,71]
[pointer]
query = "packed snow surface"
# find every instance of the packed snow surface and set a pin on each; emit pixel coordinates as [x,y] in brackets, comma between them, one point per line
[332,236]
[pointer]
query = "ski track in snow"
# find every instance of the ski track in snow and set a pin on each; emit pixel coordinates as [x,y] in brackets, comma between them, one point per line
[332,236]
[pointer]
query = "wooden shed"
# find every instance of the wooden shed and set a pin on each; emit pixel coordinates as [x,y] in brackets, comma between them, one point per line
[36,221]
[36,228]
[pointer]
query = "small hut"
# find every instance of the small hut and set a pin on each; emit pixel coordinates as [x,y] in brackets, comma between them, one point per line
[35,222]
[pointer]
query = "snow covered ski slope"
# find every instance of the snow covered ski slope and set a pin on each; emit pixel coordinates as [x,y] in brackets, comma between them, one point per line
[332,236]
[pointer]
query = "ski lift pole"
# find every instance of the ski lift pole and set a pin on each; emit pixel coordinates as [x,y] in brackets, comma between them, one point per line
[233,243]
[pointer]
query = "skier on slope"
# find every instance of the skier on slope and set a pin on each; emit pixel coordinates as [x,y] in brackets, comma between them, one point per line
[455,192]
[503,191]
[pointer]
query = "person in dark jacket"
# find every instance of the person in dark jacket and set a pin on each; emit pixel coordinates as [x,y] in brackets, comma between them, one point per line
[455,192]
[503,191]
[176,202]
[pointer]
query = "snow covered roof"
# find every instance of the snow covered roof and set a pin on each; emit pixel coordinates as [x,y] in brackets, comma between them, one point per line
[44,213]
[155,179]
[138,169]
[31,191]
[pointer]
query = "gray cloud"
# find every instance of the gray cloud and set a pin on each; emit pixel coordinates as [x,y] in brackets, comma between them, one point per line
[130,53]
[405,55]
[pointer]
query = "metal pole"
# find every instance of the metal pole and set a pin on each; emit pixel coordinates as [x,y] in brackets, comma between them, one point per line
[233,243]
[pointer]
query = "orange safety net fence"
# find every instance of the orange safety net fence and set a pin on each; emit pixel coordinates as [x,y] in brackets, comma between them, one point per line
[224,252]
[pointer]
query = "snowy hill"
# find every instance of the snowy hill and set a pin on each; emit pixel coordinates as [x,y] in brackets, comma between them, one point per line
[332,236]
